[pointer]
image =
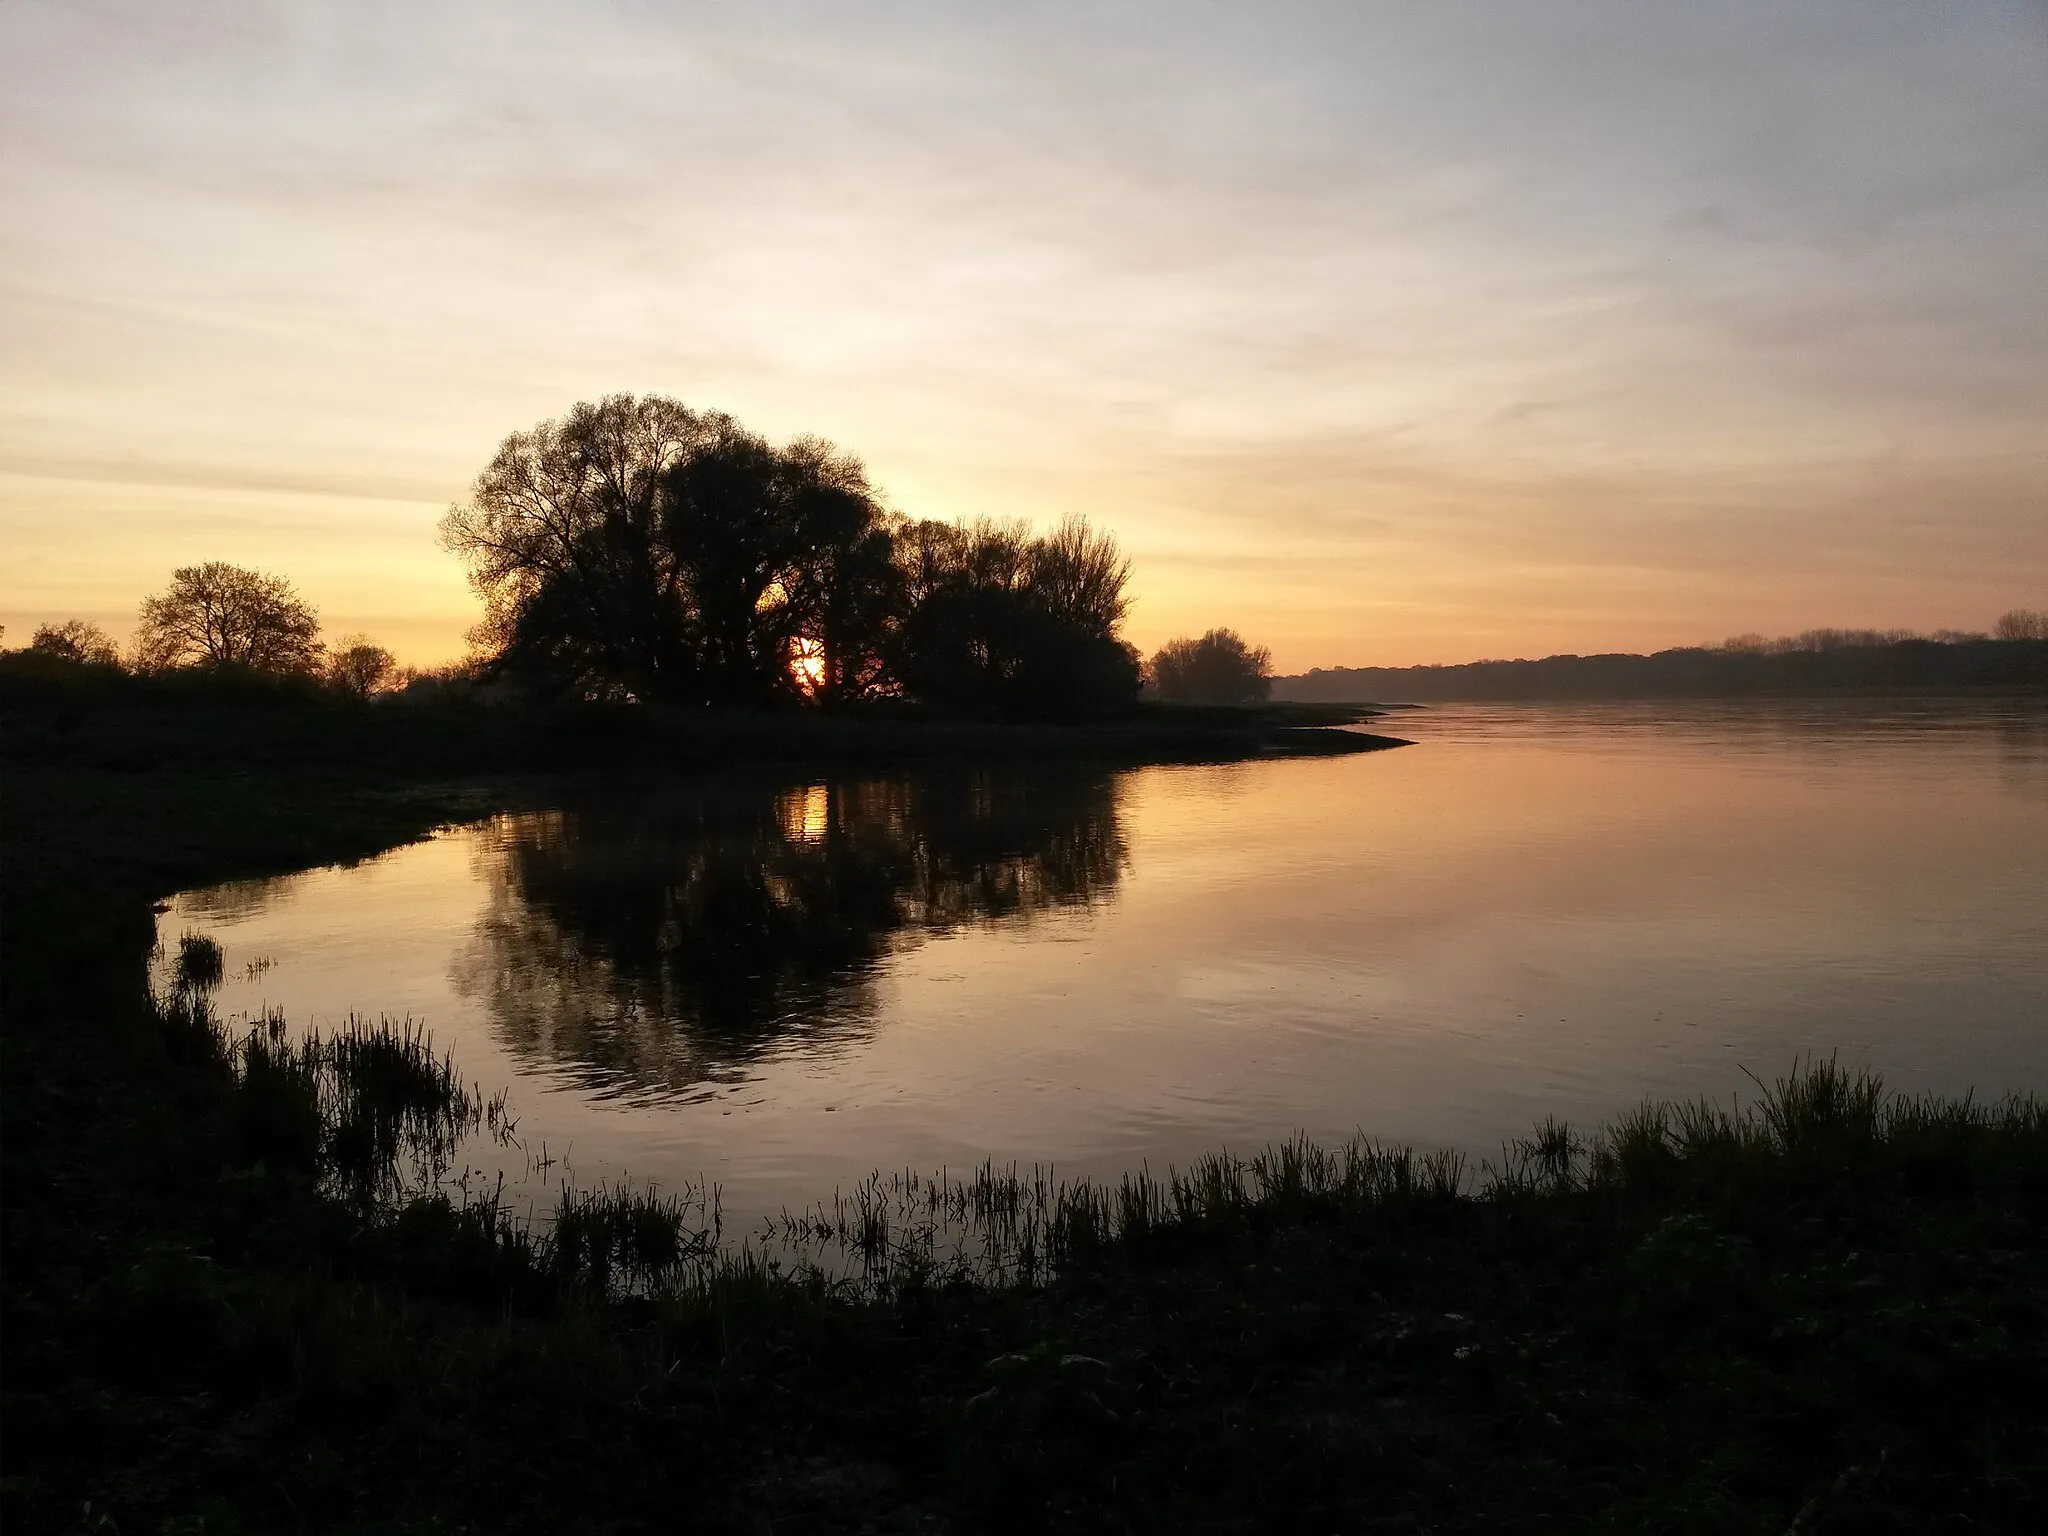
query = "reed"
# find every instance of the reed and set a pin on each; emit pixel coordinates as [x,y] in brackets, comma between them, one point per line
[1623,1321]
[199,964]
[1000,1227]
[377,1117]
[370,1111]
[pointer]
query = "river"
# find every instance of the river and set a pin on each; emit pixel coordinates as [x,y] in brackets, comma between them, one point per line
[780,986]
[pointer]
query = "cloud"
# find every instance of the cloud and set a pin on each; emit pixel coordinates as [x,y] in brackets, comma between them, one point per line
[1634,297]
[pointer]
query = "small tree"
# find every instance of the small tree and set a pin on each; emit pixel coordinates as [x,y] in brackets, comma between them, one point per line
[2022,624]
[1219,668]
[360,667]
[76,640]
[221,615]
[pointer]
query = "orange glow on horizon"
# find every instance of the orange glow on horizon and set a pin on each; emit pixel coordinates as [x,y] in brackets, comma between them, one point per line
[1378,336]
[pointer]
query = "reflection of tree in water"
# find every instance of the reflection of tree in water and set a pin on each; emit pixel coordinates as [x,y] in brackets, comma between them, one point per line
[235,899]
[658,942]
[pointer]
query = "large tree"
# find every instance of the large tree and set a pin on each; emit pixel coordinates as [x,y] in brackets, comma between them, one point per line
[637,546]
[223,615]
[76,640]
[561,535]
[785,553]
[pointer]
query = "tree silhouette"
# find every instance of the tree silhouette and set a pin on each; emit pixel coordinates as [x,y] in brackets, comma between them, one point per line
[639,547]
[1219,668]
[998,619]
[560,534]
[785,553]
[1079,576]
[2022,624]
[76,640]
[360,667]
[225,616]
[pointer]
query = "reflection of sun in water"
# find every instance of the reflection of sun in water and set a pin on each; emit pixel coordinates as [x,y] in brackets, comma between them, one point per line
[803,813]
[807,665]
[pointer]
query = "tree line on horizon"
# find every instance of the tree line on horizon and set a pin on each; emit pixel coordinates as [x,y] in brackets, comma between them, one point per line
[639,550]
[2013,654]
[2013,624]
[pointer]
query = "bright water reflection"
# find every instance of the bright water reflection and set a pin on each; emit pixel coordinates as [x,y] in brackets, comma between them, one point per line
[652,944]
[1534,909]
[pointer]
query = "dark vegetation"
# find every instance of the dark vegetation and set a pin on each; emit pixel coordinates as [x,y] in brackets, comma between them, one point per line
[640,549]
[233,1300]
[639,552]
[56,711]
[1219,668]
[75,641]
[2012,660]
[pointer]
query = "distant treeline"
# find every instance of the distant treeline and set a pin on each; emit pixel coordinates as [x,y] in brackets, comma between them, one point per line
[1879,664]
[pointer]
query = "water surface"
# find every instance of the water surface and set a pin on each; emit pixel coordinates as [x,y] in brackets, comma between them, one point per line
[780,986]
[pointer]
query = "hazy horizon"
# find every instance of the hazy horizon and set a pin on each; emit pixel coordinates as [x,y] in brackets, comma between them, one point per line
[1382,335]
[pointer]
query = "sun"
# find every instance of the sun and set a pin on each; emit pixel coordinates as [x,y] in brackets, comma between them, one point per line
[807,665]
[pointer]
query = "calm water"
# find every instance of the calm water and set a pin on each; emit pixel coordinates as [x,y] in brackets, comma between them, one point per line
[780,987]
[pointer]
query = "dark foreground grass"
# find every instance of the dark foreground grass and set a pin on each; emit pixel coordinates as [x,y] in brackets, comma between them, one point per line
[1821,1312]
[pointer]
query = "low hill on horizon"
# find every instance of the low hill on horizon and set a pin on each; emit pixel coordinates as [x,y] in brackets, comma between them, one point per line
[1915,665]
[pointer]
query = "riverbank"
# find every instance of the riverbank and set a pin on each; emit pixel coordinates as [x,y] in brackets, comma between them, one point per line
[1826,1315]
[67,716]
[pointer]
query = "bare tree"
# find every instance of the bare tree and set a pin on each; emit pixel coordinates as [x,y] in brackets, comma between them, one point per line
[225,616]
[76,640]
[359,666]
[1749,644]
[1219,668]
[561,538]
[1080,576]
[2022,624]
[639,547]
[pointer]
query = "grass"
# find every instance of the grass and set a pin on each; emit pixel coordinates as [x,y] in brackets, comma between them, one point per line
[998,1228]
[1820,1309]
[893,1236]
[369,1113]
[1825,1309]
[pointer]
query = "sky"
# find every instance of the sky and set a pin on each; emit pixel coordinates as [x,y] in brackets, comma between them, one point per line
[1383,333]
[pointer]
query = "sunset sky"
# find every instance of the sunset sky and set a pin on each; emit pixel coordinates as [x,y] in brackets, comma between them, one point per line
[1382,332]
